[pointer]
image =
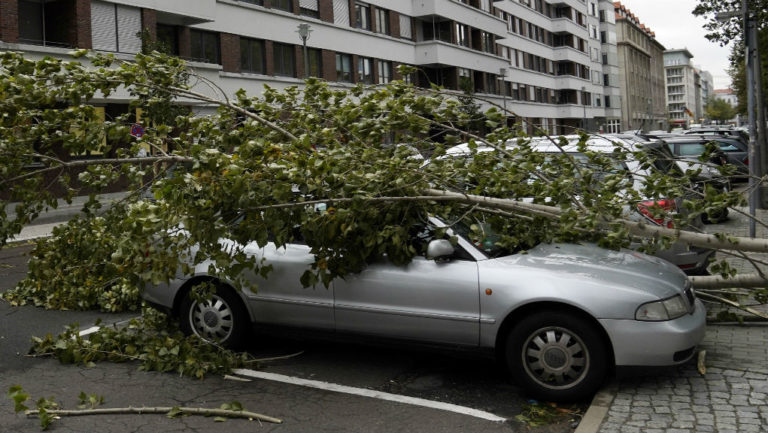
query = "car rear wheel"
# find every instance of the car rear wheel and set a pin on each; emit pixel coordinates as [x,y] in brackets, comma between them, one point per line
[222,319]
[556,356]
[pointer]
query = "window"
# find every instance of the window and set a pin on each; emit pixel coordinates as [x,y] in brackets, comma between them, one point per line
[382,21]
[115,27]
[462,34]
[168,39]
[255,2]
[487,42]
[252,55]
[344,68]
[39,23]
[315,62]
[362,16]
[205,46]
[309,8]
[284,58]
[283,5]
[385,72]
[365,70]
[406,32]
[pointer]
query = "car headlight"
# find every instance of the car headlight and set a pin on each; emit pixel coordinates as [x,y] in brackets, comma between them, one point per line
[666,309]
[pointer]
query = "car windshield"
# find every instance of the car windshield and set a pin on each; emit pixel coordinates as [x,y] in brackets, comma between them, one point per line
[482,236]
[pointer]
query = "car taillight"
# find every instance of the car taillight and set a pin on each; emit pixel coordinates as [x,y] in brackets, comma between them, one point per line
[646,208]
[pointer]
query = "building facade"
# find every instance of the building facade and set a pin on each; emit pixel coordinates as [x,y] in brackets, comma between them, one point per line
[641,64]
[542,61]
[683,91]
[707,89]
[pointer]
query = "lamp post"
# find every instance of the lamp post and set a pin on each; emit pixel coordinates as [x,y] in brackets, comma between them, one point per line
[584,105]
[304,30]
[503,73]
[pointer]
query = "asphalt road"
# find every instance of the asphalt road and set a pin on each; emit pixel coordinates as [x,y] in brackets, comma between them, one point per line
[469,382]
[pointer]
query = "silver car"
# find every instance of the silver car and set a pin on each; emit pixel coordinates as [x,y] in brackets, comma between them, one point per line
[561,316]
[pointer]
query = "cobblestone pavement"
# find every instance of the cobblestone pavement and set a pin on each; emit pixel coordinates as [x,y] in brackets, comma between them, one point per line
[733,394]
[731,397]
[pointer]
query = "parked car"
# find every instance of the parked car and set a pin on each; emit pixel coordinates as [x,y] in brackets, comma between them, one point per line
[693,260]
[734,149]
[560,316]
[727,132]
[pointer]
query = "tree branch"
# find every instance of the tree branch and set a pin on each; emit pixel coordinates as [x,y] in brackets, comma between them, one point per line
[160,410]
[105,161]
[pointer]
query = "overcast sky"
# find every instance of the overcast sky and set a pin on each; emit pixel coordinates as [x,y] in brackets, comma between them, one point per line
[676,27]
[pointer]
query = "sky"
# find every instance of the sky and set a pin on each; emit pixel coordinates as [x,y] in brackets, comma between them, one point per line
[676,27]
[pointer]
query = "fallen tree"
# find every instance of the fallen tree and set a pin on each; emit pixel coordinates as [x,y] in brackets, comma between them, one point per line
[251,171]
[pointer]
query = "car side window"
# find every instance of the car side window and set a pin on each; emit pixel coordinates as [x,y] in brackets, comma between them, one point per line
[727,147]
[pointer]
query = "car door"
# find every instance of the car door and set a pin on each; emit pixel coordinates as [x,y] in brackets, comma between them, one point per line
[426,300]
[281,299]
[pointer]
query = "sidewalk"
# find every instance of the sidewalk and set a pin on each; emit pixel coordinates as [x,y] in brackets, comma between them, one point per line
[730,398]
[733,394]
[44,224]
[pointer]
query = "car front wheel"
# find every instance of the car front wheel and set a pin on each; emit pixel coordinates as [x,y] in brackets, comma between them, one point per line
[221,320]
[556,356]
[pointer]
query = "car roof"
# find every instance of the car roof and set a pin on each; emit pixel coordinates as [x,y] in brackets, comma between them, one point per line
[597,143]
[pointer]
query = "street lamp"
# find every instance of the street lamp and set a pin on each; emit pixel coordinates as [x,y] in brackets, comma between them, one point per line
[503,73]
[584,105]
[304,30]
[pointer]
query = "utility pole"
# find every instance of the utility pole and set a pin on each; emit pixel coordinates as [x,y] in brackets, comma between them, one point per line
[754,158]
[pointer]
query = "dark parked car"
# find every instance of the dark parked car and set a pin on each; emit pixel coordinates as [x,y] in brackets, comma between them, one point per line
[734,149]
[720,132]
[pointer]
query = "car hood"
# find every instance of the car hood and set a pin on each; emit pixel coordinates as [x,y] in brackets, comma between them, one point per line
[628,269]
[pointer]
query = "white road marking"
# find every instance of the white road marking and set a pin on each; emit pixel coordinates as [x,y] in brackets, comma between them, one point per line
[89,331]
[369,393]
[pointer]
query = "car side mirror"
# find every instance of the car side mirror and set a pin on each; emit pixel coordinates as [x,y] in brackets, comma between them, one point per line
[439,249]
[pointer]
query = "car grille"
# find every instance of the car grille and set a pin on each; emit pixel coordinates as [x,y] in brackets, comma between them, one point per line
[690,296]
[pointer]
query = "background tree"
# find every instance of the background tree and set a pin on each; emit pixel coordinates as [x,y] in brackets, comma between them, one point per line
[738,74]
[719,110]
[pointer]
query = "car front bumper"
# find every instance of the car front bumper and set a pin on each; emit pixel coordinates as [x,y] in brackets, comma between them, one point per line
[637,343]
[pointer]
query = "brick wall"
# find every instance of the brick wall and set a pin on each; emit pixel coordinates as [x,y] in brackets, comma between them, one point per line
[329,65]
[299,61]
[395,73]
[9,21]
[326,10]
[269,58]
[230,52]
[185,47]
[149,22]
[394,24]
[82,17]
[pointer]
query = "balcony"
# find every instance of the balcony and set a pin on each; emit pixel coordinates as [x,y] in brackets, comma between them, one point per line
[180,12]
[442,53]
[462,13]
[565,25]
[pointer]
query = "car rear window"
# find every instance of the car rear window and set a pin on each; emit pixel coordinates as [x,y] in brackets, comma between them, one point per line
[691,149]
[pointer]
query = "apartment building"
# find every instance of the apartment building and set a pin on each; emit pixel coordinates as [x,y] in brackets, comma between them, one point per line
[642,81]
[683,88]
[707,88]
[541,60]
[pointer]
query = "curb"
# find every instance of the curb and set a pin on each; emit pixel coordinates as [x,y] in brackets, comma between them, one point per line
[598,409]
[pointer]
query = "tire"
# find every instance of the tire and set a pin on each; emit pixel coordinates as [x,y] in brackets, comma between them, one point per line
[221,320]
[556,356]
